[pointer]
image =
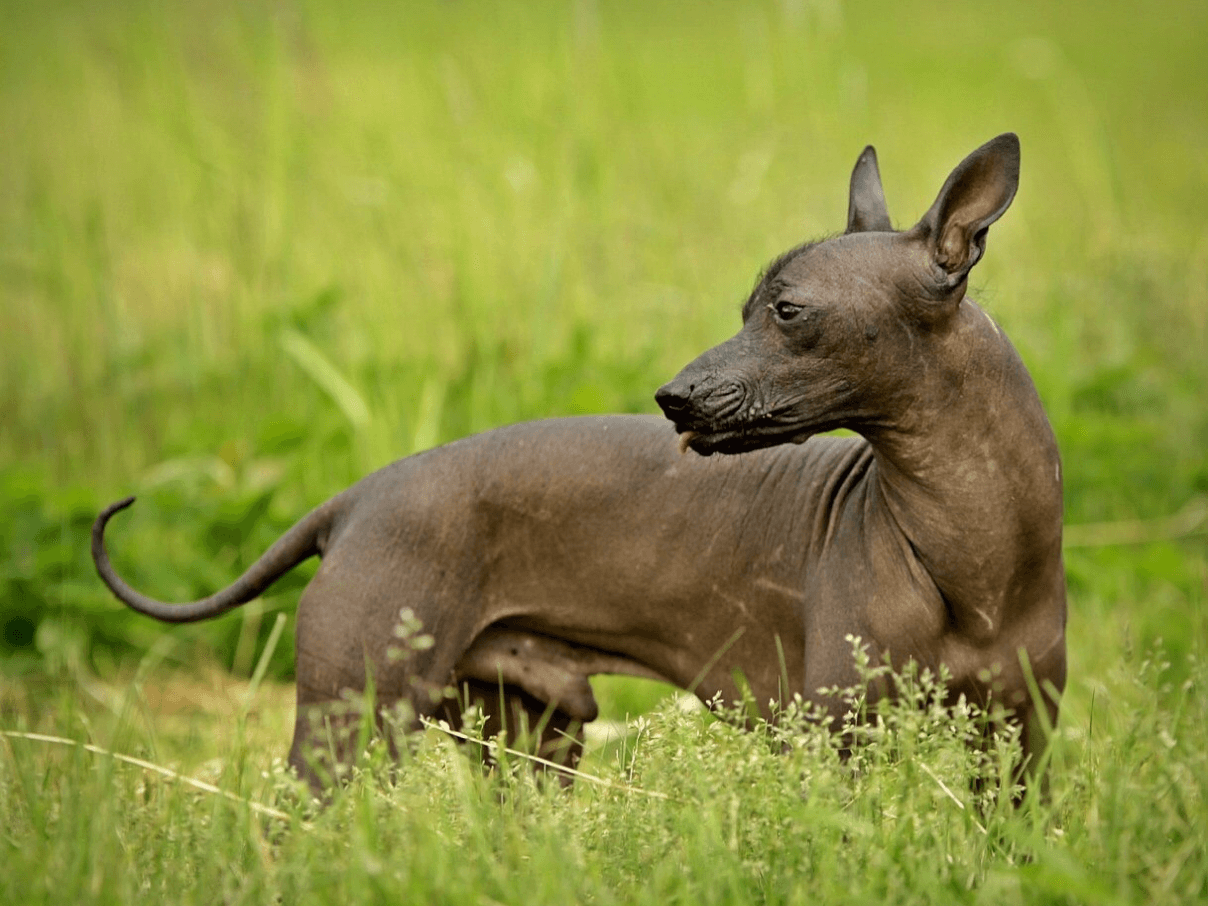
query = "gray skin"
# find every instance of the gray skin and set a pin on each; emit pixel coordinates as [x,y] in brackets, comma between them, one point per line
[542,553]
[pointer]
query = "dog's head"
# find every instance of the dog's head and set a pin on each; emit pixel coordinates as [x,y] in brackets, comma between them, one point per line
[835,330]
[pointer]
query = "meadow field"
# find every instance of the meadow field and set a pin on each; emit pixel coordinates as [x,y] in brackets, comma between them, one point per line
[250,251]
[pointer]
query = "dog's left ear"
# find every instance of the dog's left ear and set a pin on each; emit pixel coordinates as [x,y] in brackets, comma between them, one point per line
[866,211]
[976,194]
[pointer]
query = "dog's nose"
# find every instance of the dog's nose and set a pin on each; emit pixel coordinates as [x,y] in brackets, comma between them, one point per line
[673,397]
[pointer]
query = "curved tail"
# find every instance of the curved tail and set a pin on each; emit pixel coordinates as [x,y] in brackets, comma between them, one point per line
[301,542]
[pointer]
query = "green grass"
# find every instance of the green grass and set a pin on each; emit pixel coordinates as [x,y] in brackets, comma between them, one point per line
[250,251]
[684,809]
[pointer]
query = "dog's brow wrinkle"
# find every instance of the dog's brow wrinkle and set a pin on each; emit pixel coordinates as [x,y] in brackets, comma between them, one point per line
[777,264]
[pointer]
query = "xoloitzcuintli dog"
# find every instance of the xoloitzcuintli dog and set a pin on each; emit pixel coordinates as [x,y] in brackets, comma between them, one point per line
[536,555]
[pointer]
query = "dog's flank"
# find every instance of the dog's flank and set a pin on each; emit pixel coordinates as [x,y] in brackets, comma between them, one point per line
[536,555]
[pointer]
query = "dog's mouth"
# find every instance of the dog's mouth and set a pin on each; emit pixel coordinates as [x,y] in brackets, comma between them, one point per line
[740,438]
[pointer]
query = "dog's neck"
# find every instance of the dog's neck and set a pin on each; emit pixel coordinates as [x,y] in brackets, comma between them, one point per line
[969,472]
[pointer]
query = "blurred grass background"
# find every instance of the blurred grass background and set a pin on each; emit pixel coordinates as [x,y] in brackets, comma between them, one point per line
[250,251]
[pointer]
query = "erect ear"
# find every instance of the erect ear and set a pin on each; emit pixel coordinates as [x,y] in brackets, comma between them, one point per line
[976,194]
[866,211]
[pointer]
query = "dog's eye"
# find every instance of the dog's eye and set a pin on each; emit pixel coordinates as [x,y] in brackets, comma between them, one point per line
[786,310]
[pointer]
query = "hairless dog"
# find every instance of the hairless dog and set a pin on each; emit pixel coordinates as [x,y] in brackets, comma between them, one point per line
[536,555]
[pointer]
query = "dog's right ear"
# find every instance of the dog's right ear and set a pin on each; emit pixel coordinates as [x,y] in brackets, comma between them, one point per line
[866,210]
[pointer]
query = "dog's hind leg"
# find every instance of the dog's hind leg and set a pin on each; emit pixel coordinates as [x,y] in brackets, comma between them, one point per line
[377,638]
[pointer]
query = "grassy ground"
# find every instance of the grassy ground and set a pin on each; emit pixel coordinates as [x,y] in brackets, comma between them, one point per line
[250,251]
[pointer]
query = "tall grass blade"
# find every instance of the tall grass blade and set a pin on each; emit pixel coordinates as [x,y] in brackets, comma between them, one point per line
[258,808]
[319,368]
